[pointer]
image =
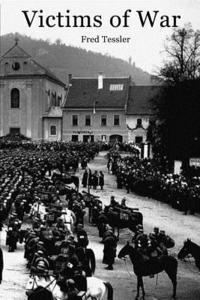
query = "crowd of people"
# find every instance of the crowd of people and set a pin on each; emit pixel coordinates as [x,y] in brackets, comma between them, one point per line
[93,179]
[148,177]
[26,187]
[25,179]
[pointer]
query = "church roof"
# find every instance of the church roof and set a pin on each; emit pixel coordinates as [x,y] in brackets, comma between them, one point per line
[139,102]
[84,92]
[16,51]
[34,68]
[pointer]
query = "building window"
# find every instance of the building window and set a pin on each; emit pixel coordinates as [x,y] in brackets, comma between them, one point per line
[103,120]
[15,66]
[14,131]
[88,138]
[53,130]
[15,98]
[74,138]
[103,138]
[87,121]
[74,120]
[139,123]
[116,87]
[138,139]
[116,120]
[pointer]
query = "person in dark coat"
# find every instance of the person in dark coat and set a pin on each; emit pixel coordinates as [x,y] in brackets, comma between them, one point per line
[82,237]
[110,248]
[95,180]
[1,264]
[85,178]
[101,179]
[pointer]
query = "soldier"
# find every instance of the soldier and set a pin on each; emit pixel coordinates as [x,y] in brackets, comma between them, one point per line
[110,247]
[94,180]
[82,237]
[39,257]
[113,203]
[123,203]
[85,178]
[101,179]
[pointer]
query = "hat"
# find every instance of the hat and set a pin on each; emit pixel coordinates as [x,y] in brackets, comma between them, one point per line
[70,282]
[40,252]
[79,226]
[156,229]
[41,266]
[162,232]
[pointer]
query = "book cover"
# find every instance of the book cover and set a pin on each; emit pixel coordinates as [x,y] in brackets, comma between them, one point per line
[59,41]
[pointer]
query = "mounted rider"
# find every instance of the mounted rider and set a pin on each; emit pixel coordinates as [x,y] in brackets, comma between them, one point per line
[68,266]
[153,245]
[68,218]
[123,202]
[113,202]
[82,237]
[39,257]
[38,209]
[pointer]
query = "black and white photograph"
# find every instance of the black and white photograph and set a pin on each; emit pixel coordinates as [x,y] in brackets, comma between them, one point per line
[99,149]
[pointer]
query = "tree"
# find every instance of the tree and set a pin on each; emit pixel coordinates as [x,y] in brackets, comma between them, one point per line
[175,131]
[183,49]
[58,42]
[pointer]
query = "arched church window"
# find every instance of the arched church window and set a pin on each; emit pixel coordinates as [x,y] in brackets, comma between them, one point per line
[15,98]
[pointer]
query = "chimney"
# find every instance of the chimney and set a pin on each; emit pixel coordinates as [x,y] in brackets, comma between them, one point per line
[69,78]
[100,81]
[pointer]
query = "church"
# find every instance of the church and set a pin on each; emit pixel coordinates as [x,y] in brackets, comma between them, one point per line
[31,97]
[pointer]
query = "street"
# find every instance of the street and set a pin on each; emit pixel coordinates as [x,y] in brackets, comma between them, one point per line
[178,226]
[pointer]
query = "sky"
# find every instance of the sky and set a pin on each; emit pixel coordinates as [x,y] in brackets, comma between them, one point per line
[145,46]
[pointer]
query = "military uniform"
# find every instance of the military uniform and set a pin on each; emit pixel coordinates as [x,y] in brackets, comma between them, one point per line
[110,247]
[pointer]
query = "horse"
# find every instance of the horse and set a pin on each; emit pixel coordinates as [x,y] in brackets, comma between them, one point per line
[67,179]
[123,218]
[97,289]
[41,293]
[88,260]
[39,287]
[142,268]
[190,248]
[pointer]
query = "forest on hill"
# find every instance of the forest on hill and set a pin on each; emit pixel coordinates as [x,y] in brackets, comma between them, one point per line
[63,60]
